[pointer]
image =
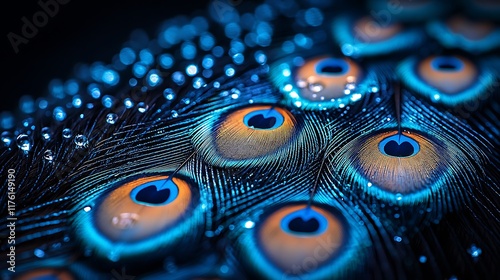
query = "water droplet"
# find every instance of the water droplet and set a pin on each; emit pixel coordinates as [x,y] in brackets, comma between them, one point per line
[174,114]
[128,103]
[399,196]
[59,114]
[474,251]
[28,122]
[46,134]
[178,78]
[142,107]
[111,118]
[169,94]
[249,224]
[398,238]
[107,101]
[235,94]
[191,70]
[27,104]
[87,208]
[66,133]
[316,87]
[422,259]
[301,83]
[207,73]
[81,141]
[48,155]
[39,253]
[224,268]
[6,120]
[6,138]
[229,71]
[125,220]
[113,256]
[154,78]
[198,82]
[24,142]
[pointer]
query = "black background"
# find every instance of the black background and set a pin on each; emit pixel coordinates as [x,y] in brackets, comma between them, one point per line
[81,31]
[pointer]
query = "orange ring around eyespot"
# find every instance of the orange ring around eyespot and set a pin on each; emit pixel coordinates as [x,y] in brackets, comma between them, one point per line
[333,85]
[472,30]
[46,272]
[369,30]
[287,251]
[449,82]
[402,175]
[145,220]
[235,140]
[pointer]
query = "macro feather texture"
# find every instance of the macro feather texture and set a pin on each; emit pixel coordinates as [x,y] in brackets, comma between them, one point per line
[266,140]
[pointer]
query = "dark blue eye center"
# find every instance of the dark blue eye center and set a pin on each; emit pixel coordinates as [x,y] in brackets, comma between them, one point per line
[300,225]
[263,119]
[447,63]
[155,193]
[332,66]
[395,149]
[399,146]
[261,122]
[304,222]
[151,194]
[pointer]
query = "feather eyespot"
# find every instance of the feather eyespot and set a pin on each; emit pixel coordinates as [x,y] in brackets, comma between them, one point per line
[324,78]
[300,240]
[247,135]
[378,33]
[322,82]
[401,168]
[143,207]
[447,79]
[462,32]
[138,216]
[371,36]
